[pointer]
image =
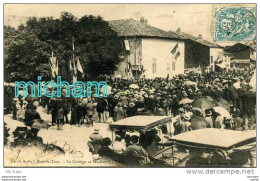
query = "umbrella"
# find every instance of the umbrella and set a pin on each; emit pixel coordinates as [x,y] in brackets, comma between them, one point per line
[190,83]
[202,103]
[134,86]
[39,124]
[223,103]
[222,111]
[186,101]
[209,98]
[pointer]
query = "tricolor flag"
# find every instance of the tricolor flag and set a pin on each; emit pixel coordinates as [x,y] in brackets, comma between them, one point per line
[71,68]
[175,48]
[54,66]
[177,55]
[79,67]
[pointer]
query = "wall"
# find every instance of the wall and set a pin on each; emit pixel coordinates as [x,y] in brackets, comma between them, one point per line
[218,54]
[196,54]
[159,50]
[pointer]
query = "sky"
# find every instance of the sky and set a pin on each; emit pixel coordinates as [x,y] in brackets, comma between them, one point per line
[194,19]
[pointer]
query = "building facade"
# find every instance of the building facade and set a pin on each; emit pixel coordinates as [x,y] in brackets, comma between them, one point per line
[241,54]
[149,51]
[203,54]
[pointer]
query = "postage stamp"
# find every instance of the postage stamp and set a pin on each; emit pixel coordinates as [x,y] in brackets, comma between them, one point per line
[234,23]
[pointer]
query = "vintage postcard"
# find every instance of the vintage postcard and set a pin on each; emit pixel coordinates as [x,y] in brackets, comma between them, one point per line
[130,85]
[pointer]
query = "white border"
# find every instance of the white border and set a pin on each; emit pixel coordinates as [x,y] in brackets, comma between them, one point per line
[161,174]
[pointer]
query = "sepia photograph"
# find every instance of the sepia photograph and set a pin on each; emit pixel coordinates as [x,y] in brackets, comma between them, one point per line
[129,85]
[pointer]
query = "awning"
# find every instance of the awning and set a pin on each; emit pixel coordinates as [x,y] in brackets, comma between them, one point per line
[139,123]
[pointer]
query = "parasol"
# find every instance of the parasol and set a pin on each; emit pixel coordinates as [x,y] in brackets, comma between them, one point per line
[222,111]
[223,103]
[202,103]
[209,98]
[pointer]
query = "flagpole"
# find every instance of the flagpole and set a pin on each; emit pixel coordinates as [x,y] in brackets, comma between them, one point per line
[73,57]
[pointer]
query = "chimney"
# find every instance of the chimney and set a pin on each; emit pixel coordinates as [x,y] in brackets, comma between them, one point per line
[143,20]
[200,36]
[178,31]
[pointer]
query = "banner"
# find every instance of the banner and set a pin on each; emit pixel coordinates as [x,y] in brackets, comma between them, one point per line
[175,48]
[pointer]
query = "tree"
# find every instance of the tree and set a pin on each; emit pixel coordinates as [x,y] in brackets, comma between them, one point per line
[97,45]
[26,56]
[28,49]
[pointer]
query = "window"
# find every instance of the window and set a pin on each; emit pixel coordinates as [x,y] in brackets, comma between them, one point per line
[211,59]
[173,66]
[212,68]
[154,65]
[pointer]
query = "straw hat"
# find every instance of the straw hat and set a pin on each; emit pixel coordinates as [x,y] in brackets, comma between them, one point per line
[186,116]
[131,104]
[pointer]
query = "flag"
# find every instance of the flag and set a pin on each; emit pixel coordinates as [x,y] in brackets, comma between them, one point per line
[127,46]
[74,79]
[73,44]
[177,55]
[54,66]
[175,48]
[71,68]
[79,67]
[57,67]
[74,68]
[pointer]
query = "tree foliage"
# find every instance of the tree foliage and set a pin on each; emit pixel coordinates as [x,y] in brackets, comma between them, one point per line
[28,49]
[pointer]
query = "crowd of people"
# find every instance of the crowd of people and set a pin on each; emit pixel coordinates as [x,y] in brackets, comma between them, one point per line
[189,98]
[159,96]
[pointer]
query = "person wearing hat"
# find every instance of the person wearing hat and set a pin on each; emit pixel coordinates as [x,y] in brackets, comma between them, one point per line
[53,109]
[131,110]
[185,123]
[20,134]
[95,142]
[219,121]
[136,153]
[89,113]
[105,150]
[208,117]
[124,108]
[118,112]
[101,108]
[60,114]
[31,114]
[16,107]
[124,99]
